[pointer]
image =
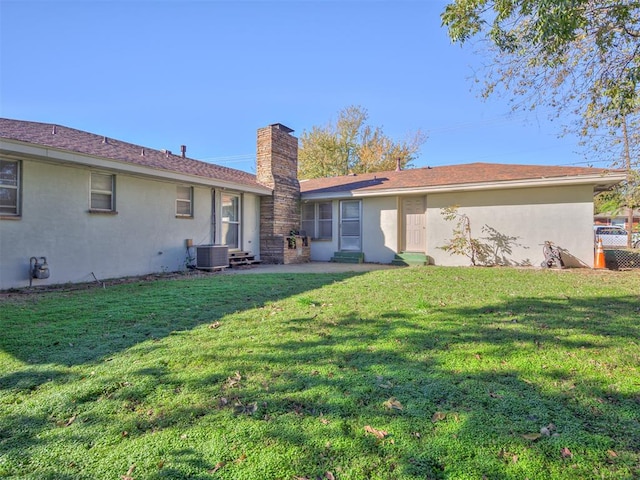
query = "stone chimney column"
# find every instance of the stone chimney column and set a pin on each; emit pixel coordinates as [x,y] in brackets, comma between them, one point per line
[277,168]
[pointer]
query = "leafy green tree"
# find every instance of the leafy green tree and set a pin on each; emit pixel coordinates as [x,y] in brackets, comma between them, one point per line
[352,146]
[559,52]
[579,57]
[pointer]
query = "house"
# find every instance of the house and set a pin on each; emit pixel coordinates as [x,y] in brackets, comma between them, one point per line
[619,219]
[398,215]
[96,207]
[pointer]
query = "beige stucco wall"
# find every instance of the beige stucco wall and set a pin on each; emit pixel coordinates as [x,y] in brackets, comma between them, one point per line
[563,215]
[533,215]
[144,237]
[379,229]
[251,224]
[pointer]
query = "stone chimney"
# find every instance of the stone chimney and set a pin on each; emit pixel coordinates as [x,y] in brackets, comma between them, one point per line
[277,168]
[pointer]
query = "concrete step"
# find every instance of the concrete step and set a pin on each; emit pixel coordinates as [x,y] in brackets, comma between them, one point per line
[348,257]
[410,259]
[242,258]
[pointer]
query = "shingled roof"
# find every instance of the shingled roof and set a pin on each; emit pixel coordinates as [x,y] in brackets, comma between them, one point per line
[77,141]
[466,175]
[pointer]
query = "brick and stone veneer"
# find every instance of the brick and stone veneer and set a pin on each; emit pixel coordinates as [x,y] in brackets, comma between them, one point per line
[277,168]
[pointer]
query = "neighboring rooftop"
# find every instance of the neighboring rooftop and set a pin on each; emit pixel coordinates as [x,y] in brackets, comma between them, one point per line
[456,175]
[69,139]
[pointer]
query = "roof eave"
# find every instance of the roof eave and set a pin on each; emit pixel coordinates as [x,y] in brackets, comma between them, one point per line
[48,154]
[599,181]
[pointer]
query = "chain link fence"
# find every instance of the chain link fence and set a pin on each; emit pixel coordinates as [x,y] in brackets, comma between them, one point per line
[621,258]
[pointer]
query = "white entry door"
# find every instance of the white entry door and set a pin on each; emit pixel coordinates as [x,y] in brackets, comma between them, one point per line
[414,224]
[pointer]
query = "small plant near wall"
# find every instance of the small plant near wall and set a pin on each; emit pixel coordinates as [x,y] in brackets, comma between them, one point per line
[462,242]
[494,248]
[291,239]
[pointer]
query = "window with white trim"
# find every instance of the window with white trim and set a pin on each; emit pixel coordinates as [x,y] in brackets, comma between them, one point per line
[10,188]
[184,201]
[317,220]
[231,220]
[103,192]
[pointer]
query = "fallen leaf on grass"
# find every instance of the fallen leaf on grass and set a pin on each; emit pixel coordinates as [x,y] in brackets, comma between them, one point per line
[548,429]
[393,404]
[128,476]
[329,476]
[249,409]
[531,436]
[612,454]
[566,453]
[70,421]
[217,467]
[234,380]
[215,325]
[378,433]
[438,416]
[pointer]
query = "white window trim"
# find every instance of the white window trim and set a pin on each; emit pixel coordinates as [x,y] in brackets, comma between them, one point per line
[111,192]
[237,222]
[184,201]
[315,234]
[17,187]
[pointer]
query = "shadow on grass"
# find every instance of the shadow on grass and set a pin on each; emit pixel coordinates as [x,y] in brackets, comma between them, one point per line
[97,324]
[491,410]
[316,394]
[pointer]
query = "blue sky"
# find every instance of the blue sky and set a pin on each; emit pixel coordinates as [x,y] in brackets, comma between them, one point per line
[208,74]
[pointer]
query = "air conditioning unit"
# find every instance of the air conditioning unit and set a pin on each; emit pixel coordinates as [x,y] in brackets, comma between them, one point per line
[209,257]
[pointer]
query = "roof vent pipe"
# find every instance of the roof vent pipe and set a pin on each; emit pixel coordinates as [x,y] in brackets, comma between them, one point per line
[398,165]
[53,131]
[105,140]
[183,150]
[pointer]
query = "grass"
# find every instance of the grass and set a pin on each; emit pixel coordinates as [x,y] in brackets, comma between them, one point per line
[416,373]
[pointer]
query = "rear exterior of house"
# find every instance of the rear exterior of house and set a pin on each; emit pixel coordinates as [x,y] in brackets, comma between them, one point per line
[511,208]
[99,208]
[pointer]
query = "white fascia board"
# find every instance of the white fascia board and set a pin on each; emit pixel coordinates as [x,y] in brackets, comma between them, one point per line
[595,179]
[52,155]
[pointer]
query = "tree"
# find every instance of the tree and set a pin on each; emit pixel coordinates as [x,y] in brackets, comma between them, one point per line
[580,57]
[559,51]
[622,141]
[352,146]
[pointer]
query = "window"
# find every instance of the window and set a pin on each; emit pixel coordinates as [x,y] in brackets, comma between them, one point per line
[9,187]
[317,220]
[102,192]
[231,220]
[350,225]
[184,201]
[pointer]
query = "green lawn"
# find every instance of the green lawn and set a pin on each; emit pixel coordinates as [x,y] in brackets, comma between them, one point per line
[416,373]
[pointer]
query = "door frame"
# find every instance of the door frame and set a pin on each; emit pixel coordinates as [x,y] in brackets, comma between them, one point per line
[403,230]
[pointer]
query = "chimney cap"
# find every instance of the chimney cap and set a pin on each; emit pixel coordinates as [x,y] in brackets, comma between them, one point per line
[282,127]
